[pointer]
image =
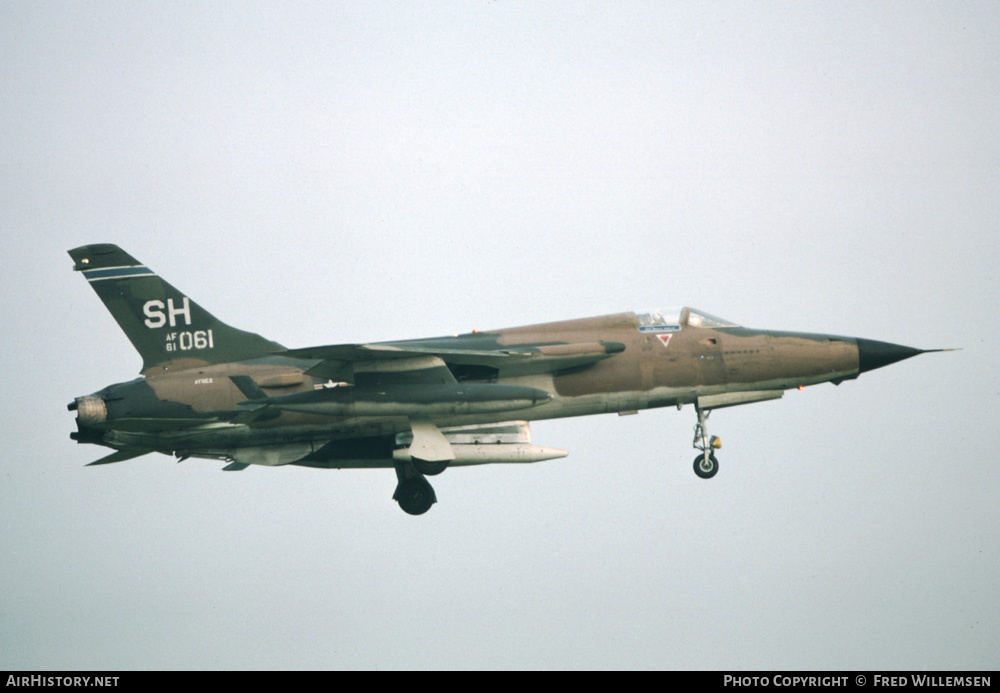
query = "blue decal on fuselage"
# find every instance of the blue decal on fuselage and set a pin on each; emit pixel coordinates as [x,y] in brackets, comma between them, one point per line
[660,328]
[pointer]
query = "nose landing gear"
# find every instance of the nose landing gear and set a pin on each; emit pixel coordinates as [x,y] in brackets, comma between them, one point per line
[705,464]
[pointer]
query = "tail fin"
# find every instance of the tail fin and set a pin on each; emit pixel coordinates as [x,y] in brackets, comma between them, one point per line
[169,330]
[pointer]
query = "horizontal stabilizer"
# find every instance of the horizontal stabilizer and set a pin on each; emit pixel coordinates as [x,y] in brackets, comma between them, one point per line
[121,456]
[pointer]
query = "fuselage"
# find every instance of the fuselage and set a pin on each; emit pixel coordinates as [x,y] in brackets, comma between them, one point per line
[211,390]
[669,365]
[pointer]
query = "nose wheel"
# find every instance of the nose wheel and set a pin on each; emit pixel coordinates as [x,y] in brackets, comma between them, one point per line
[705,464]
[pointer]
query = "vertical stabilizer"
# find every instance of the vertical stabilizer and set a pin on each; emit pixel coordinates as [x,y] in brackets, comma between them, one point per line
[166,327]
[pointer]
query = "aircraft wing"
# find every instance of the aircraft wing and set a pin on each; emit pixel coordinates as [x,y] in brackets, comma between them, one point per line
[342,361]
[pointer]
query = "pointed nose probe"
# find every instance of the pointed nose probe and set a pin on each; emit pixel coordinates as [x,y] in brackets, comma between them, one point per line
[873,354]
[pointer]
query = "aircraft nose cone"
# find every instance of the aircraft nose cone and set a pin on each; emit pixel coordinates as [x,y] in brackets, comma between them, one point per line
[873,354]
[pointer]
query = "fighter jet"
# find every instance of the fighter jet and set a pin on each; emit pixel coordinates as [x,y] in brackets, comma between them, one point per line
[208,390]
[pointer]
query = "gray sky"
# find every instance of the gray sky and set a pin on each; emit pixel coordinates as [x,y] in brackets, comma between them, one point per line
[325,173]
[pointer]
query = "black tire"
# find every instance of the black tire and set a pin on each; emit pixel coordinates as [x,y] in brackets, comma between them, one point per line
[415,496]
[430,468]
[706,472]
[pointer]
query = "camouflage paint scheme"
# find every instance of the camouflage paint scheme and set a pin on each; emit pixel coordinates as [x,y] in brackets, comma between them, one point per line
[209,390]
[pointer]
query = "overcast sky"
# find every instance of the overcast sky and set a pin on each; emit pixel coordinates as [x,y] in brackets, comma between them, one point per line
[341,172]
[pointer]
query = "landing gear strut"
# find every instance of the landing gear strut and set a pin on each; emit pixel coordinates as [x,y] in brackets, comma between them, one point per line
[705,464]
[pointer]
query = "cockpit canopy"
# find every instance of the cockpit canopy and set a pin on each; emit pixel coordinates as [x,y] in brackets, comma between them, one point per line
[673,319]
